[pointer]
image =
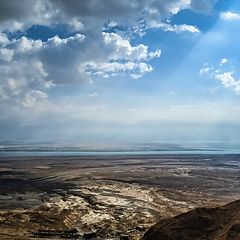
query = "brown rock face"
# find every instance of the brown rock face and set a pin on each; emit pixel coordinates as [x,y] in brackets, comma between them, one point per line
[221,223]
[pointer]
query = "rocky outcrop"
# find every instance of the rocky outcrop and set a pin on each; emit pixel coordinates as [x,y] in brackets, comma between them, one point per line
[220,223]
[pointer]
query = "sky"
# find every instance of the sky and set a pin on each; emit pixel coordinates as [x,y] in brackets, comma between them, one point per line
[109,71]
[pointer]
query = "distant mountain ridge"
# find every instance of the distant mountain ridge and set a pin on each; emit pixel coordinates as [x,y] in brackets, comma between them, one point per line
[220,223]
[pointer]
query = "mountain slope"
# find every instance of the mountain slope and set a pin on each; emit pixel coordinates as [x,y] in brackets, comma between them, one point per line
[221,223]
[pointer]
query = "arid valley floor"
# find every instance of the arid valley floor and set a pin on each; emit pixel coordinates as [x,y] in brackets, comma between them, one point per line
[108,197]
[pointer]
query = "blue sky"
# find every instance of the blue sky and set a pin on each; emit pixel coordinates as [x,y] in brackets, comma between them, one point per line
[119,71]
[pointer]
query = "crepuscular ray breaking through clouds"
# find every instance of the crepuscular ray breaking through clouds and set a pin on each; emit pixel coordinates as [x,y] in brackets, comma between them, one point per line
[78,67]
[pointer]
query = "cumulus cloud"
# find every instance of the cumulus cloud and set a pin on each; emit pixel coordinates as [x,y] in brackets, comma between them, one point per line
[29,67]
[205,69]
[86,14]
[3,39]
[122,58]
[43,12]
[229,16]
[32,97]
[223,61]
[221,74]
[20,78]
[110,57]
[229,81]
[6,54]
[167,27]
[26,70]
[17,15]
[122,49]
[110,69]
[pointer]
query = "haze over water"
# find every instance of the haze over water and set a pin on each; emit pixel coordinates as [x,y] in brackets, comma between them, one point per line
[117,149]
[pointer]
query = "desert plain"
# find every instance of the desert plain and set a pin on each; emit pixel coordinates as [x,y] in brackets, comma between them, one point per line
[108,197]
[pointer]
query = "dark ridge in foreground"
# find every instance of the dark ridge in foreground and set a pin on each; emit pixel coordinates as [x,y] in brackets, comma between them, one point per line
[221,223]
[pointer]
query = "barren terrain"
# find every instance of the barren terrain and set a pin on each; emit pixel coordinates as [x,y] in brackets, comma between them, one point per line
[108,197]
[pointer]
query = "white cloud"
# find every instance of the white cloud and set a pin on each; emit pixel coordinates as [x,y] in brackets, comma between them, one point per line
[122,58]
[76,24]
[220,73]
[3,39]
[185,28]
[28,66]
[6,54]
[16,26]
[58,41]
[168,7]
[167,27]
[110,69]
[229,16]
[226,78]
[229,81]
[205,70]
[32,97]
[223,61]
[24,44]
[21,81]
[122,49]
[85,15]
[154,54]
